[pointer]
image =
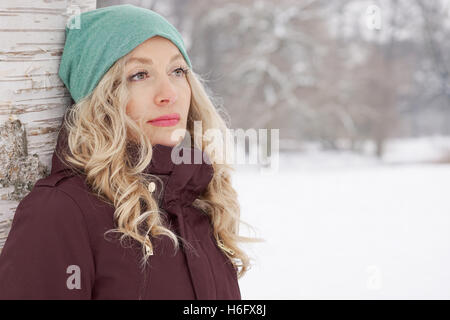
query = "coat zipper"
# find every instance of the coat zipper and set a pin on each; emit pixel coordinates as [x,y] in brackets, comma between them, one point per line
[223,247]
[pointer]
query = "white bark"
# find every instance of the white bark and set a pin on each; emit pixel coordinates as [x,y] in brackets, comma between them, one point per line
[32,96]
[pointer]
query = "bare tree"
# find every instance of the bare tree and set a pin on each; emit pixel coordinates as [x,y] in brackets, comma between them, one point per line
[436,60]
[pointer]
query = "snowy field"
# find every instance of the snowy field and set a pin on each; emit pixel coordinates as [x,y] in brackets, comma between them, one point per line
[342,226]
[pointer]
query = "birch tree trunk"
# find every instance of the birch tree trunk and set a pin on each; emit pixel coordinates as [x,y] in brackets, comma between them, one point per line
[32,96]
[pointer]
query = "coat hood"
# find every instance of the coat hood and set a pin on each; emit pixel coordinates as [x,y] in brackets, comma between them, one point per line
[181,181]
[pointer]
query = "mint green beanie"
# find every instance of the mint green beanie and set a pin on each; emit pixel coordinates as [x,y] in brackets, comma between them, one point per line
[103,36]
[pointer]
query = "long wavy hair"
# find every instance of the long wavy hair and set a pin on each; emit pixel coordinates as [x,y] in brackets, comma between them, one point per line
[98,133]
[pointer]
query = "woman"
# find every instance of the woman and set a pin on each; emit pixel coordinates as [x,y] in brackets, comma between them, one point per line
[117,218]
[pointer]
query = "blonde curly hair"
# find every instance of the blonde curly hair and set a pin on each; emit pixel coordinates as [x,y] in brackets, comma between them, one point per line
[98,132]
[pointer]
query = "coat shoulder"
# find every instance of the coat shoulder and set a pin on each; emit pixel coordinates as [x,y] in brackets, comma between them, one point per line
[96,211]
[72,184]
[47,198]
[57,178]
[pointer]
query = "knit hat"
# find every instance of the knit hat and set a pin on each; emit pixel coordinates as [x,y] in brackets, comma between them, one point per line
[103,36]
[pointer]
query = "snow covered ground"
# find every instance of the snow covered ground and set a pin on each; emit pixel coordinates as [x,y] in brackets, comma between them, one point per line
[343,226]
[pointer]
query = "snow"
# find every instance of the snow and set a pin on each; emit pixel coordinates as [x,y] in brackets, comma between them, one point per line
[343,226]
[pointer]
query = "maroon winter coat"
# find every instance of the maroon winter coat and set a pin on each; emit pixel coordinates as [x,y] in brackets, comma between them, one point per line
[61,224]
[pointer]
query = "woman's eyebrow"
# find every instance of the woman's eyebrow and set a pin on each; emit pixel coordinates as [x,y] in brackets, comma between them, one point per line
[148,60]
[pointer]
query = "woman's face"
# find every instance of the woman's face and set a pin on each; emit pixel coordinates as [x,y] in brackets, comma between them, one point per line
[158,87]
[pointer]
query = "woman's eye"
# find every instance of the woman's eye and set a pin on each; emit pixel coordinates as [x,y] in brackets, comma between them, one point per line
[137,74]
[180,71]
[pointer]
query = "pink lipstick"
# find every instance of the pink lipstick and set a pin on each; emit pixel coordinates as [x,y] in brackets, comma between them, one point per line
[167,120]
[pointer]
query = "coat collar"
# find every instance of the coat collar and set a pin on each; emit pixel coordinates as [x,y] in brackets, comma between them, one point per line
[182,182]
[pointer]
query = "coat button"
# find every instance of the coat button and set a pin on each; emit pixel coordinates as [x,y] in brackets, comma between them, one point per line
[148,250]
[151,186]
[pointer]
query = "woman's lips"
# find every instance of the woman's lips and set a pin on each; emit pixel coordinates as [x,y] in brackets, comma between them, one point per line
[166,120]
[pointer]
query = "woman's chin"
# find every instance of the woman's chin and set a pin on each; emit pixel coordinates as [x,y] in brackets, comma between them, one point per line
[166,141]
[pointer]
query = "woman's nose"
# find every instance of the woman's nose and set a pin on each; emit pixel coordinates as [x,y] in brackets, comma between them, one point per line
[166,93]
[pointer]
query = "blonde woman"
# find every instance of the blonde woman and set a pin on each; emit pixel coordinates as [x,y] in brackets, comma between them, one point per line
[118,218]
